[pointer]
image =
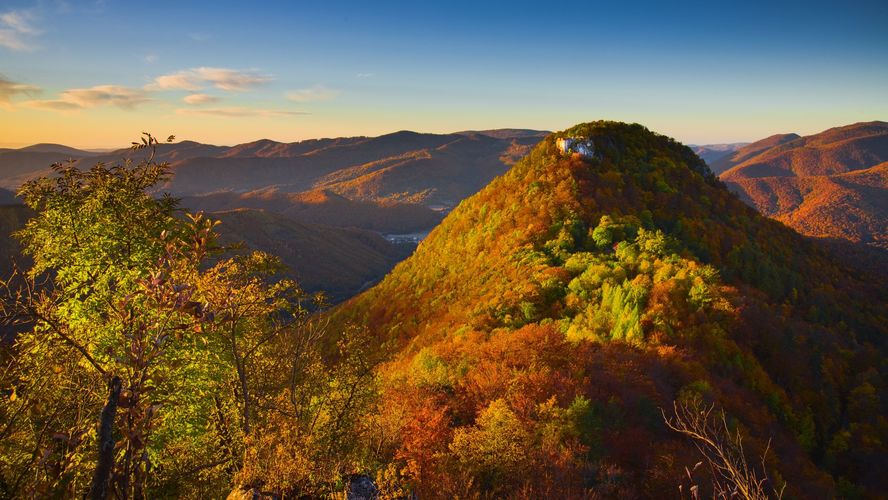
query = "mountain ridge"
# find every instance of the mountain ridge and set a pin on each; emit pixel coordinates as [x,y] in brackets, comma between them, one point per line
[379,175]
[573,280]
[826,185]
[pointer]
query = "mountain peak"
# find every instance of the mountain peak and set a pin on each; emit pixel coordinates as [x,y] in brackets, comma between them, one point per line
[46,147]
[620,283]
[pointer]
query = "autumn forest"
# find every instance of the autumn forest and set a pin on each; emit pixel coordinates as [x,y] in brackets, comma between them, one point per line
[402,250]
[600,324]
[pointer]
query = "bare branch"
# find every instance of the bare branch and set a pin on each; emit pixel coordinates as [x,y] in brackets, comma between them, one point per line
[723,451]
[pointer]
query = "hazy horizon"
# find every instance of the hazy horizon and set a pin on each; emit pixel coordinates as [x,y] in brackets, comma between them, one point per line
[136,135]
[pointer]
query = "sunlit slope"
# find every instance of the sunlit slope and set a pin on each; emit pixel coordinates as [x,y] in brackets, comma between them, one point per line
[619,283]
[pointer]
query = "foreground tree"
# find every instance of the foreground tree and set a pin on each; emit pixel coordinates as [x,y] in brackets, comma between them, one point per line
[121,306]
[142,369]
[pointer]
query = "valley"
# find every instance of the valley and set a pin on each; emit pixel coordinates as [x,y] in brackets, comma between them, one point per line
[630,264]
[322,198]
[462,250]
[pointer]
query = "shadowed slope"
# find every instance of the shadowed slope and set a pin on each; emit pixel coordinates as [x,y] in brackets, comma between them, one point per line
[339,262]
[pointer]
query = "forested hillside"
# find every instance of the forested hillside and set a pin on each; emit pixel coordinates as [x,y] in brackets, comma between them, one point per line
[539,330]
[830,185]
[335,261]
[609,322]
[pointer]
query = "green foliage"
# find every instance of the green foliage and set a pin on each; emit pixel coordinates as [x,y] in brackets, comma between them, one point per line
[496,446]
[637,250]
[208,355]
[528,343]
[124,303]
[609,232]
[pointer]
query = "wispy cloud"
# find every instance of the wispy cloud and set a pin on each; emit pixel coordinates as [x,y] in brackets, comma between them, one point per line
[316,93]
[19,20]
[17,29]
[364,75]
[100,95]
[199,99]
[238,112]
[53,105]
[199,78]
[10,89]
[150,58]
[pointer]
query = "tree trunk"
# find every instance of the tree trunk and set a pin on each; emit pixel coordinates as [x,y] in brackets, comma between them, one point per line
[99,489]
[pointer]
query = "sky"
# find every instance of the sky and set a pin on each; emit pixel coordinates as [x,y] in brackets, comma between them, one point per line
[96,74]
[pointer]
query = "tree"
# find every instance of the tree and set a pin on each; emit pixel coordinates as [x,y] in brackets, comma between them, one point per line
[250,314]
[121,303]
[313,434]
[142,369]
[732,475]
[124,300]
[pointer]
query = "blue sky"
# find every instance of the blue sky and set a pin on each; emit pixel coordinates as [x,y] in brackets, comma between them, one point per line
[94,74]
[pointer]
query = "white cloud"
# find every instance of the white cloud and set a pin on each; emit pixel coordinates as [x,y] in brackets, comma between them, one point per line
[19,21]
[10,89]
[364,75]
[238,112]
[16,30]
[176,81]
[100,95]
[11,40]
[220,78]
[150,58]
[316,93]
[199,99]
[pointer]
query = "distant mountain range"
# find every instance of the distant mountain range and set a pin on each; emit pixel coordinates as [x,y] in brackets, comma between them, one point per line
[426,169]
[828,185]
[337,261]
[710,153]
[317,203]
[323,206]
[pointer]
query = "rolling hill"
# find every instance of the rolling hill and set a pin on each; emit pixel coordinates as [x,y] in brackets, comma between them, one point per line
[539,330]
[12,218]
[310,200]
[748,151]
[377,183]
[59,149]
[18,166]
[323,207]
[425,168]
[851,206]
[834,151]
[339,262]
[827,185]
